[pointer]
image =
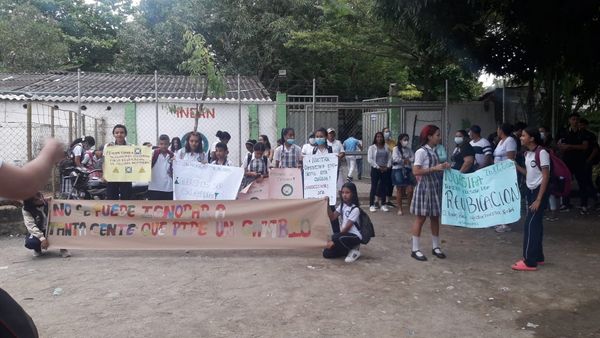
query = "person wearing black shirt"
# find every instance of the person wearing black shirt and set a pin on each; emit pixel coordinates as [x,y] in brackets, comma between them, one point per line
[573,145]
[463,157]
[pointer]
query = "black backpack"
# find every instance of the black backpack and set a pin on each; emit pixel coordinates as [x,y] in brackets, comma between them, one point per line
[365,226]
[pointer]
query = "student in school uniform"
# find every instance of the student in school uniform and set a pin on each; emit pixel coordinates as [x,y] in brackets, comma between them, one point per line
[35,218]
[221,153]
[346,242]
[223,137]
[193,149]
[258,167]
[427,198]
[288,155]
[161,184]
[402,176]
[537,176]
[118,190]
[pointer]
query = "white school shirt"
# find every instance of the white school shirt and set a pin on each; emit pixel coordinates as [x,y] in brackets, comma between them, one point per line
[161,181]
[421,158]
[307,149]
[78,151]
[336,146]
[348,215]
[503,148]
[227,163]
[182,155]
[534,173]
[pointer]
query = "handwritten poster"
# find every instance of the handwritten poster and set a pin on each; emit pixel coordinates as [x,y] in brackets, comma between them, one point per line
[127,164]
[320,176]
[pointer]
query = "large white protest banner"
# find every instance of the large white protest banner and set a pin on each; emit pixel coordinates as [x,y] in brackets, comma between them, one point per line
[487,197]
[195,181]
[320,176]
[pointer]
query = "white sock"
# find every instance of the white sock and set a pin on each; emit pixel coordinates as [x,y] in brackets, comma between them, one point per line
[415,243]
[436,241]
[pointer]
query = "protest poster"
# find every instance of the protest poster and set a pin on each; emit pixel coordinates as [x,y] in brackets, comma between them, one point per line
[285,183]
[257,190]
[487,197]
[193,180]
[127,164]
[183,225]
[320,176]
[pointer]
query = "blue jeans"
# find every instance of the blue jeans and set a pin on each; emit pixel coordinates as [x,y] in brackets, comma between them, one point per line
[33,243]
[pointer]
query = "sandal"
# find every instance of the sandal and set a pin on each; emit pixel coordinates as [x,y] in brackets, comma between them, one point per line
[521,266]
[418,255]
[438,253]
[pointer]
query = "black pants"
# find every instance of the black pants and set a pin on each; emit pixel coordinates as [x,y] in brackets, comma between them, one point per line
[156,195]
[583,175]
[33,243]
[118,190]
[335,224]
[359,167]
[342,244]
[379,185]
[533,230]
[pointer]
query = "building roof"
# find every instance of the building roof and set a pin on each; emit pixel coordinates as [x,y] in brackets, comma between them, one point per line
[104,87]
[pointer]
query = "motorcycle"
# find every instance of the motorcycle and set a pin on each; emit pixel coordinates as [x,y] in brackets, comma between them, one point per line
[89,185]
[84,184]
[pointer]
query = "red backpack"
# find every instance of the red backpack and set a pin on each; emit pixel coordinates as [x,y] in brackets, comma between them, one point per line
[560,175]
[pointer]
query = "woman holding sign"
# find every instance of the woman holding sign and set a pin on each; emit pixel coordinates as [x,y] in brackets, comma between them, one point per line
[118,190]
[193,149]
[537,176]
[427,198]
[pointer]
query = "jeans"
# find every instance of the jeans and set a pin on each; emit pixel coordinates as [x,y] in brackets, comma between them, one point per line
[33,243]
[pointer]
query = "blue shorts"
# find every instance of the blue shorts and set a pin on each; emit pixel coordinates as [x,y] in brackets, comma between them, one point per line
[403,177]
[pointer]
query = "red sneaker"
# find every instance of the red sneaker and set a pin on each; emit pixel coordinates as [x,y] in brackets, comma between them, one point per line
[521,266]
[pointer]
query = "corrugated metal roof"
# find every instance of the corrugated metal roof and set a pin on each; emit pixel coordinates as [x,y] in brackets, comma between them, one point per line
[104,87]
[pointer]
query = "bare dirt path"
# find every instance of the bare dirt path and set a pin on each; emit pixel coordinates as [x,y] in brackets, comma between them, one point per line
[385,293]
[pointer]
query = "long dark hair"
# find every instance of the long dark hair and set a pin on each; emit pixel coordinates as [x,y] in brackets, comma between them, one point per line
[352,187]
[266,140]
[375,137]
[535,133]
[188,148]
[399,143]
[173,149]
[223,135]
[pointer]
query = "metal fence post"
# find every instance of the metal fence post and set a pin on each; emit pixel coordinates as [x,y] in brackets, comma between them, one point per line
[239,97]
[52,133]
[70,127]
[96,133]
[29,132]
[156,100]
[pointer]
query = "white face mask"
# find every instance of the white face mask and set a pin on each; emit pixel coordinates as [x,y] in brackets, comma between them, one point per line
[543,135]
[404,143]
[311,140]
[459,140]
[387,135]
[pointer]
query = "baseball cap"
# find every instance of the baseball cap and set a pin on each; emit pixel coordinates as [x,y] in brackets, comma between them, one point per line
[330,130]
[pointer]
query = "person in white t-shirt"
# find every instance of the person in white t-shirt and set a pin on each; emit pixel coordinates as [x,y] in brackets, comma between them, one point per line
[507,146]
[537,176]
[338,148]
[505,150]
[221,153]
[223,137]
[307,149]
[161,183]
[347,240]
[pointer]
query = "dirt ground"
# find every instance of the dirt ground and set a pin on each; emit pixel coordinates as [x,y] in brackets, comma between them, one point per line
[386,293]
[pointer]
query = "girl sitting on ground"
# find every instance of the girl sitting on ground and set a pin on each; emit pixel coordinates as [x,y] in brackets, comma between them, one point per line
[35,217]
[347,241]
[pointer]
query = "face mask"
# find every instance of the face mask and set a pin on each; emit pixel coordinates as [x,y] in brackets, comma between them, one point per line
[320,140]
[404,143]
[290,141]
[387,135]
[311,141]
[458,140]
[543,136]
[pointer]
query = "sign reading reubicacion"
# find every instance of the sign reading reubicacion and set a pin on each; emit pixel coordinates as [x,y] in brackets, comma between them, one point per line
[487,197]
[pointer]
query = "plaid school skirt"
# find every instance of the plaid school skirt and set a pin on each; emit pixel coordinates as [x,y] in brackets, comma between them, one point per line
[427,197]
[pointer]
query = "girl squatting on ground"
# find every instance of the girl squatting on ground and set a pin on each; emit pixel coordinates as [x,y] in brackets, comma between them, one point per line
[427,199]
[347,241]
[537,176]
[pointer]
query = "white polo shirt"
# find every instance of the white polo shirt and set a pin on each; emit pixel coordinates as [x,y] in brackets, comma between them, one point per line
[534,173]
[161,181]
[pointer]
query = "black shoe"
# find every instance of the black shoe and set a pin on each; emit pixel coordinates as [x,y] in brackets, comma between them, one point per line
[438,254]
[390,204]
[420,257]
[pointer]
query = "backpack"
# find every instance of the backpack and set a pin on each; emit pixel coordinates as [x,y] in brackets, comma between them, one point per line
[560,175]
[365,226]
[329,149]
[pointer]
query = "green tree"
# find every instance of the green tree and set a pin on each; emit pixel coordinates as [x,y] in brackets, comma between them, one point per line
[29,41]
[202,67]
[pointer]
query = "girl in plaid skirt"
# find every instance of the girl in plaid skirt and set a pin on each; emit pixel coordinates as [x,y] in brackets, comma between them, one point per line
[427,198]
